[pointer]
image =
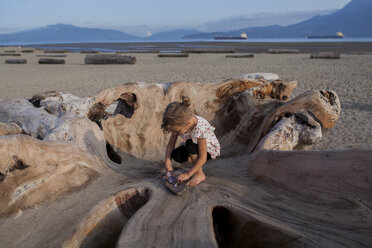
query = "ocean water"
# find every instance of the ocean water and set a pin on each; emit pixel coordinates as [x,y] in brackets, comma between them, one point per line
[164,45]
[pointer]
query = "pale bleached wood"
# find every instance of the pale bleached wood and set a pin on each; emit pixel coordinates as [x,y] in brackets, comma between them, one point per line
[286,199]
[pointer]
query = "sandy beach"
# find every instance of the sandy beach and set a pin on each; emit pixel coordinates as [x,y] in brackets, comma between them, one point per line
[350,77]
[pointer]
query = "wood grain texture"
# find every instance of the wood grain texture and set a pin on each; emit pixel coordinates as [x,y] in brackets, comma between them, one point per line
[80,175]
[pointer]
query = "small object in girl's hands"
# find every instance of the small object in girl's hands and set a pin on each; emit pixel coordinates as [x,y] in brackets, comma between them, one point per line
[171,178]
[171,183]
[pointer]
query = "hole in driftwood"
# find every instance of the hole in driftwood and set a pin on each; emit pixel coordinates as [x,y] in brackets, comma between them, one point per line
[112,154]
[234,230]
[127,104]
[18,165]
[105,232]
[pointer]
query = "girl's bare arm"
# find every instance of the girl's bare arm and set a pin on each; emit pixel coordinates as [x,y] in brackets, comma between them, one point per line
[170,147]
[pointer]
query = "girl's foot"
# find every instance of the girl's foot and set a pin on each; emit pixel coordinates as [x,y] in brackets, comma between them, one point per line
[196,179]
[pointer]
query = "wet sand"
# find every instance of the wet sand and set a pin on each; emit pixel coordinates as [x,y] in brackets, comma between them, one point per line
[350,77]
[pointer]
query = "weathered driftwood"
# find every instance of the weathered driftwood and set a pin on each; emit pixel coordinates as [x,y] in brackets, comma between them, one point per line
[88,51]
[109,59]
[207,50]
[266,200]
[10,51]
[173,55]
[52,61]
[270,198]
[240,56]
[52,55]
[325,55]
[27,51]
[15,61]
[9,128]
[273,50]
[10,54]
[56,51]
[138,51]
[216,106]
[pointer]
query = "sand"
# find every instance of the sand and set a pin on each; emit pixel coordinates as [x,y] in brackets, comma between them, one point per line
[350,77]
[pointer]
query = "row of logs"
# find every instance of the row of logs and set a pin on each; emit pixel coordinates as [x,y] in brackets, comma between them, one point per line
[120,59]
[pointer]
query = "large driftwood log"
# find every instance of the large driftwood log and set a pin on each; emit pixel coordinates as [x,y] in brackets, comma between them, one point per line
[283,50]
[109,59]
[270,198]
[212,101]
[240,56]
[325,55]
[15,61]
[52,55]
[173,55]
[207,50]
[51,61]
[10,54]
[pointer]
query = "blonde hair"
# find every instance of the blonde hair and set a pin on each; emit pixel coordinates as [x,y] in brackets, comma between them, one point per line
[176,114]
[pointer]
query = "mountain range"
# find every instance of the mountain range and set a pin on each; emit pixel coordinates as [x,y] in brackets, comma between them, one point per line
[354,20]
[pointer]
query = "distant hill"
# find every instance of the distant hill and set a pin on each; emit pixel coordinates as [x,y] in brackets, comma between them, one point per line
[172,35]
[65,33]
[354,20]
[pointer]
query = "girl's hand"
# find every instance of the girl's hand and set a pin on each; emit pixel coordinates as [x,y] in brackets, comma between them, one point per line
[183,177]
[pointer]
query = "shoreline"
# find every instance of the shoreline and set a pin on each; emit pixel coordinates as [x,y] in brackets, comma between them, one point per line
[239,47]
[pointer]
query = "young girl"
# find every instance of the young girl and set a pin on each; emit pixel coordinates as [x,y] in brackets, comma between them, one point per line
[201,142]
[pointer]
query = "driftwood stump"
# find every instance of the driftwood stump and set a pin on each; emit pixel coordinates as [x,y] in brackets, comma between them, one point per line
[105,59]
[87,172]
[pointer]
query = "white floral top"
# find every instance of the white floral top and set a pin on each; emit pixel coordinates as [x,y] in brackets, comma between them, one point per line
[204,130]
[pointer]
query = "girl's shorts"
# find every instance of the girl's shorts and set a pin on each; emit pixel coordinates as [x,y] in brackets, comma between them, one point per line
[182,153]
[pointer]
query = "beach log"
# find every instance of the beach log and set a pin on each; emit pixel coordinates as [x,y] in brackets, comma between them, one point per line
[10,51]
[88,51]
[27,51]
[325,55]
[138,51]
[52,55]
[109,59]
[173,55]
[107,183]
[15,61]
[278,51]
[240,56]
[10,54]
[208,50]
[51,61]
[55,51]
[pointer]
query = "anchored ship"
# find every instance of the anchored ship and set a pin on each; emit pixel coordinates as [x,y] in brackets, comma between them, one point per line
[242,36]
[339,35]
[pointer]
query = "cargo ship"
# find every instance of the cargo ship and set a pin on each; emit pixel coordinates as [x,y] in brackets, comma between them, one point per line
[242,36]
[338,35]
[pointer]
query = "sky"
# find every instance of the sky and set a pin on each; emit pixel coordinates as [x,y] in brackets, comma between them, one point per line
[16,15]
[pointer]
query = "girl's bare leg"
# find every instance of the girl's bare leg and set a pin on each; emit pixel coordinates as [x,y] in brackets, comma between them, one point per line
[199,176]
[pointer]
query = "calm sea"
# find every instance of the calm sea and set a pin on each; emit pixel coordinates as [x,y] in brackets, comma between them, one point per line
[145,45]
